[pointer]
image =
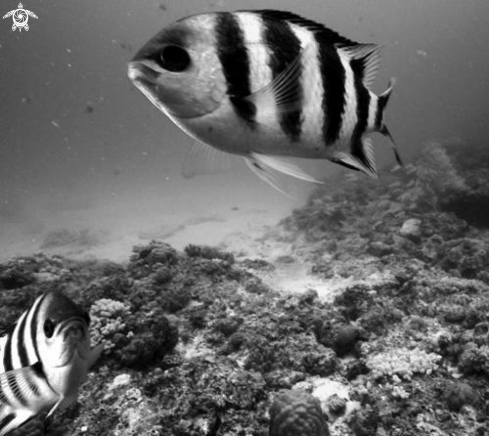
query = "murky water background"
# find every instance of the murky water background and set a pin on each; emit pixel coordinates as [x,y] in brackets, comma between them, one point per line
[89,167]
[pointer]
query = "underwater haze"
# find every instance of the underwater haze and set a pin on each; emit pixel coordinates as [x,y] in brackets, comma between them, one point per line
[89,168]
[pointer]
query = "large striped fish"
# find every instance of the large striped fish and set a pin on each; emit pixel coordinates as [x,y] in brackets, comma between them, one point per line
[43,360]
[265,85]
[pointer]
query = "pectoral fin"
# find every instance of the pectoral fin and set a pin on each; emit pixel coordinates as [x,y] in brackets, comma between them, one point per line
[266,174]
[284,94]
[27,386]
[266,167]
[22,383]
[204,159]
[94,355]
[282,165]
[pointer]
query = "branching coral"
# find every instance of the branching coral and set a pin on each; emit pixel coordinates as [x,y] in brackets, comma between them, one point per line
[402,363]
[107,319]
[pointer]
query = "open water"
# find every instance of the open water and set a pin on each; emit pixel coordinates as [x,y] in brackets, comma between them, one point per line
[88,167]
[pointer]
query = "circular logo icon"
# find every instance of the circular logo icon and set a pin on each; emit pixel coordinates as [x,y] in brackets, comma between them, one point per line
[20,17]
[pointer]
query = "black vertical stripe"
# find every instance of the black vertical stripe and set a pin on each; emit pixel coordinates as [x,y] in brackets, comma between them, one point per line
[363,103]
[328,36]
[21,348]
[10,348]
[7,354]
[34,323]
[378,116]
[233,55]
[333,78]
[285,48]
[6,420]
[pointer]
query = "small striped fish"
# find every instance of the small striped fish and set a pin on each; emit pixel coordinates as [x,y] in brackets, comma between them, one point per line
[43,360]
[265,84]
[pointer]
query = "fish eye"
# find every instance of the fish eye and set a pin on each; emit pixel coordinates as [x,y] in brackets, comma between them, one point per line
[48,328]
[174,58]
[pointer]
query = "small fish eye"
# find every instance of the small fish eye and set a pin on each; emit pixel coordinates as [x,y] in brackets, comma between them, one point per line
[48,328]
[174,58]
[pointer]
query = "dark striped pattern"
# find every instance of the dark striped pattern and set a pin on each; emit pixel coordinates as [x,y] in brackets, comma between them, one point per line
[328,36]
[7,357]
[378,116]
[363,103]
[20,350]
[6,420]
[26,335]
[333,103]
[285,48]
[21,346]
[33,327]
[8,366]
[16,345]
[233,55]
[332,71]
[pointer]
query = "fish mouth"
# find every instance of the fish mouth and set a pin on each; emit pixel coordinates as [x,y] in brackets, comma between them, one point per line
[138,71]
[75,340]
[145,79]
[73,330]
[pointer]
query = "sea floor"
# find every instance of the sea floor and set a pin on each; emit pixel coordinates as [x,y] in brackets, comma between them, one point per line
[105,220]
[372,297]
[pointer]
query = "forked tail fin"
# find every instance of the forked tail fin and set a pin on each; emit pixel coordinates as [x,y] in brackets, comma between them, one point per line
[379,121]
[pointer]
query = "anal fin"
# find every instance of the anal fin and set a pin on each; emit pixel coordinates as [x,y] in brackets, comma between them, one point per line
[361,158]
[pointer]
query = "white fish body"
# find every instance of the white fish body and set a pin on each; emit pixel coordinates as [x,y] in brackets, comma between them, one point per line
[266,84]
[43,360]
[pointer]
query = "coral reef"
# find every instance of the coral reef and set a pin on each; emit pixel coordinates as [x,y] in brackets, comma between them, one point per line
[394,340]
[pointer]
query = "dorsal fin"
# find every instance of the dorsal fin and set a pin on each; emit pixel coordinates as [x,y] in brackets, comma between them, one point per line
[365,61]
[327,35]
